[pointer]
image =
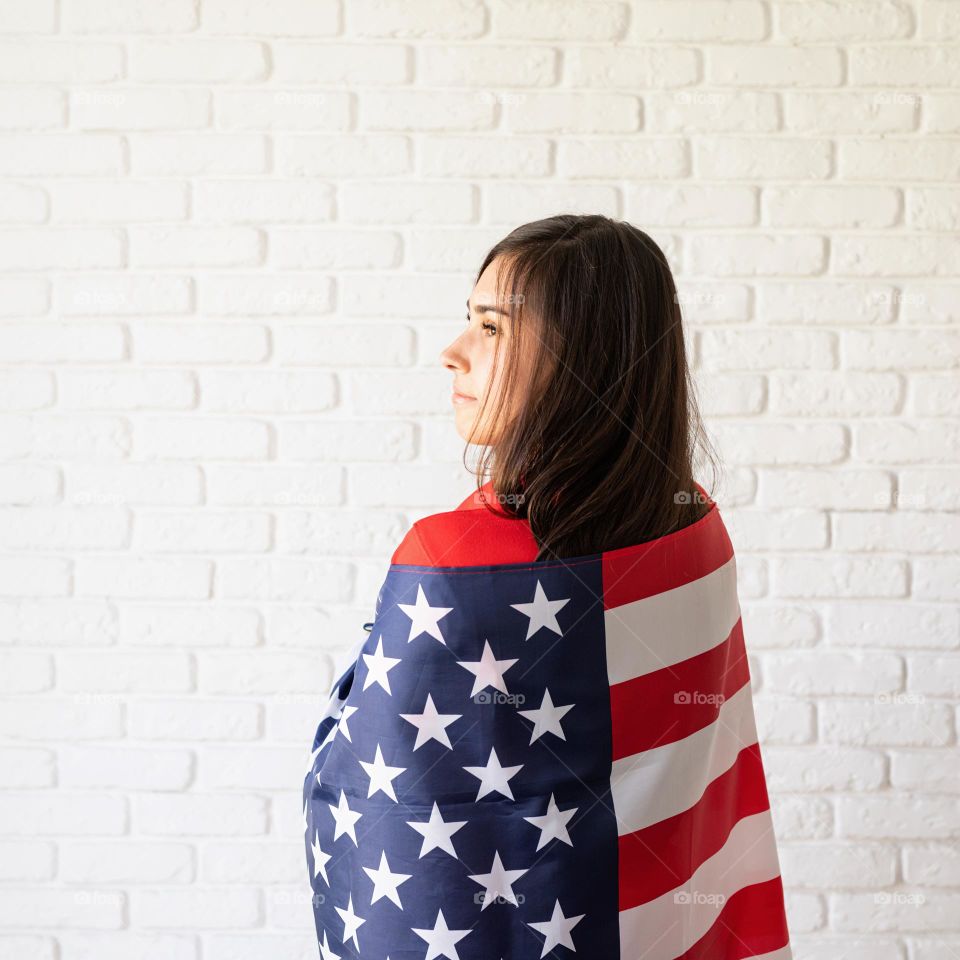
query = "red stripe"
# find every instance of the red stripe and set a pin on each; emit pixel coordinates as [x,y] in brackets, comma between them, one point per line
[645,569]
[644,712]
[751,923]
[660,857]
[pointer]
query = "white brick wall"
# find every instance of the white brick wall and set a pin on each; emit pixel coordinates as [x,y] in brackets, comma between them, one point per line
[233,239]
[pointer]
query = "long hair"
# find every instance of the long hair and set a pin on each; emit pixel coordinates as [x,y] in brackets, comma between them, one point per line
[597,451]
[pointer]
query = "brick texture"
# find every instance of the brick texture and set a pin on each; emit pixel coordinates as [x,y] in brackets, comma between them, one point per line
[233,239]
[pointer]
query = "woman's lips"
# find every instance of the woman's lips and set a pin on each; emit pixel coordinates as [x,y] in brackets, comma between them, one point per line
[461,398]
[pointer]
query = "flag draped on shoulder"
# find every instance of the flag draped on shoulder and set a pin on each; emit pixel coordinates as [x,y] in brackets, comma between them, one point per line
[545,759]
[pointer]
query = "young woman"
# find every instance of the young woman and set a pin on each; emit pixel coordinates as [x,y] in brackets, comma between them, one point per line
[546,746]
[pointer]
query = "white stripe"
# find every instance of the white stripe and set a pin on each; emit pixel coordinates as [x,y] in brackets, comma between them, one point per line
[650,786]
[784,953]
[671,626]
[749,856]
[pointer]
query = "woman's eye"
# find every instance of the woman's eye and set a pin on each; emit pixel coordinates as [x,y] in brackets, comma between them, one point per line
[491,328]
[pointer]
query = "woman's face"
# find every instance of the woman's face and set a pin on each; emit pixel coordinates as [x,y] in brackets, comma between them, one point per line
[470,358]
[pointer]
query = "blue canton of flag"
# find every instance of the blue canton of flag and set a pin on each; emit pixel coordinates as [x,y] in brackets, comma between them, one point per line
[458,798]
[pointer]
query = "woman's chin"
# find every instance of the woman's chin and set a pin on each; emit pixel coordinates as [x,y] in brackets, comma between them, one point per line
[464,422]
[463,431]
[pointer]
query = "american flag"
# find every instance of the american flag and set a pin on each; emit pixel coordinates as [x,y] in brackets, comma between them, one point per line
[546,759]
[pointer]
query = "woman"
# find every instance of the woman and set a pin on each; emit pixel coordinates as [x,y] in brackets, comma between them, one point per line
[546,745]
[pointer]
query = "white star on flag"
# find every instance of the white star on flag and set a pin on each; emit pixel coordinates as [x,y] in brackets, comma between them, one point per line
[331,733]
[437,832]
[319,858]
[313,757]
[351,922]
[341,726]
[381,775]
[487,671]
[336,708]
[493,776]
[385,883]
[333,707]
[557,929]
[325,952]
[378,666]
[345,819]
[546,718]
[441,940]
[423,617]
[431,725]
[498,882]
[553,823]
[542,612]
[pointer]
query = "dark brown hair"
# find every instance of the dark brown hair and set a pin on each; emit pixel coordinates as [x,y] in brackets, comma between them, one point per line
[599,452]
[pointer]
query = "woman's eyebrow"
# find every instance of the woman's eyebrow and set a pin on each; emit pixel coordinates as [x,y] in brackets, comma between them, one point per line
[488,308]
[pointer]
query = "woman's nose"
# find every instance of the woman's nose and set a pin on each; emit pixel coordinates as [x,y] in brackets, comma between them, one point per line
[452,359]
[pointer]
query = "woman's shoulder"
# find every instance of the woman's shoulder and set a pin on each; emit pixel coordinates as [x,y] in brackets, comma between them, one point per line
[465,538]
[480,532]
